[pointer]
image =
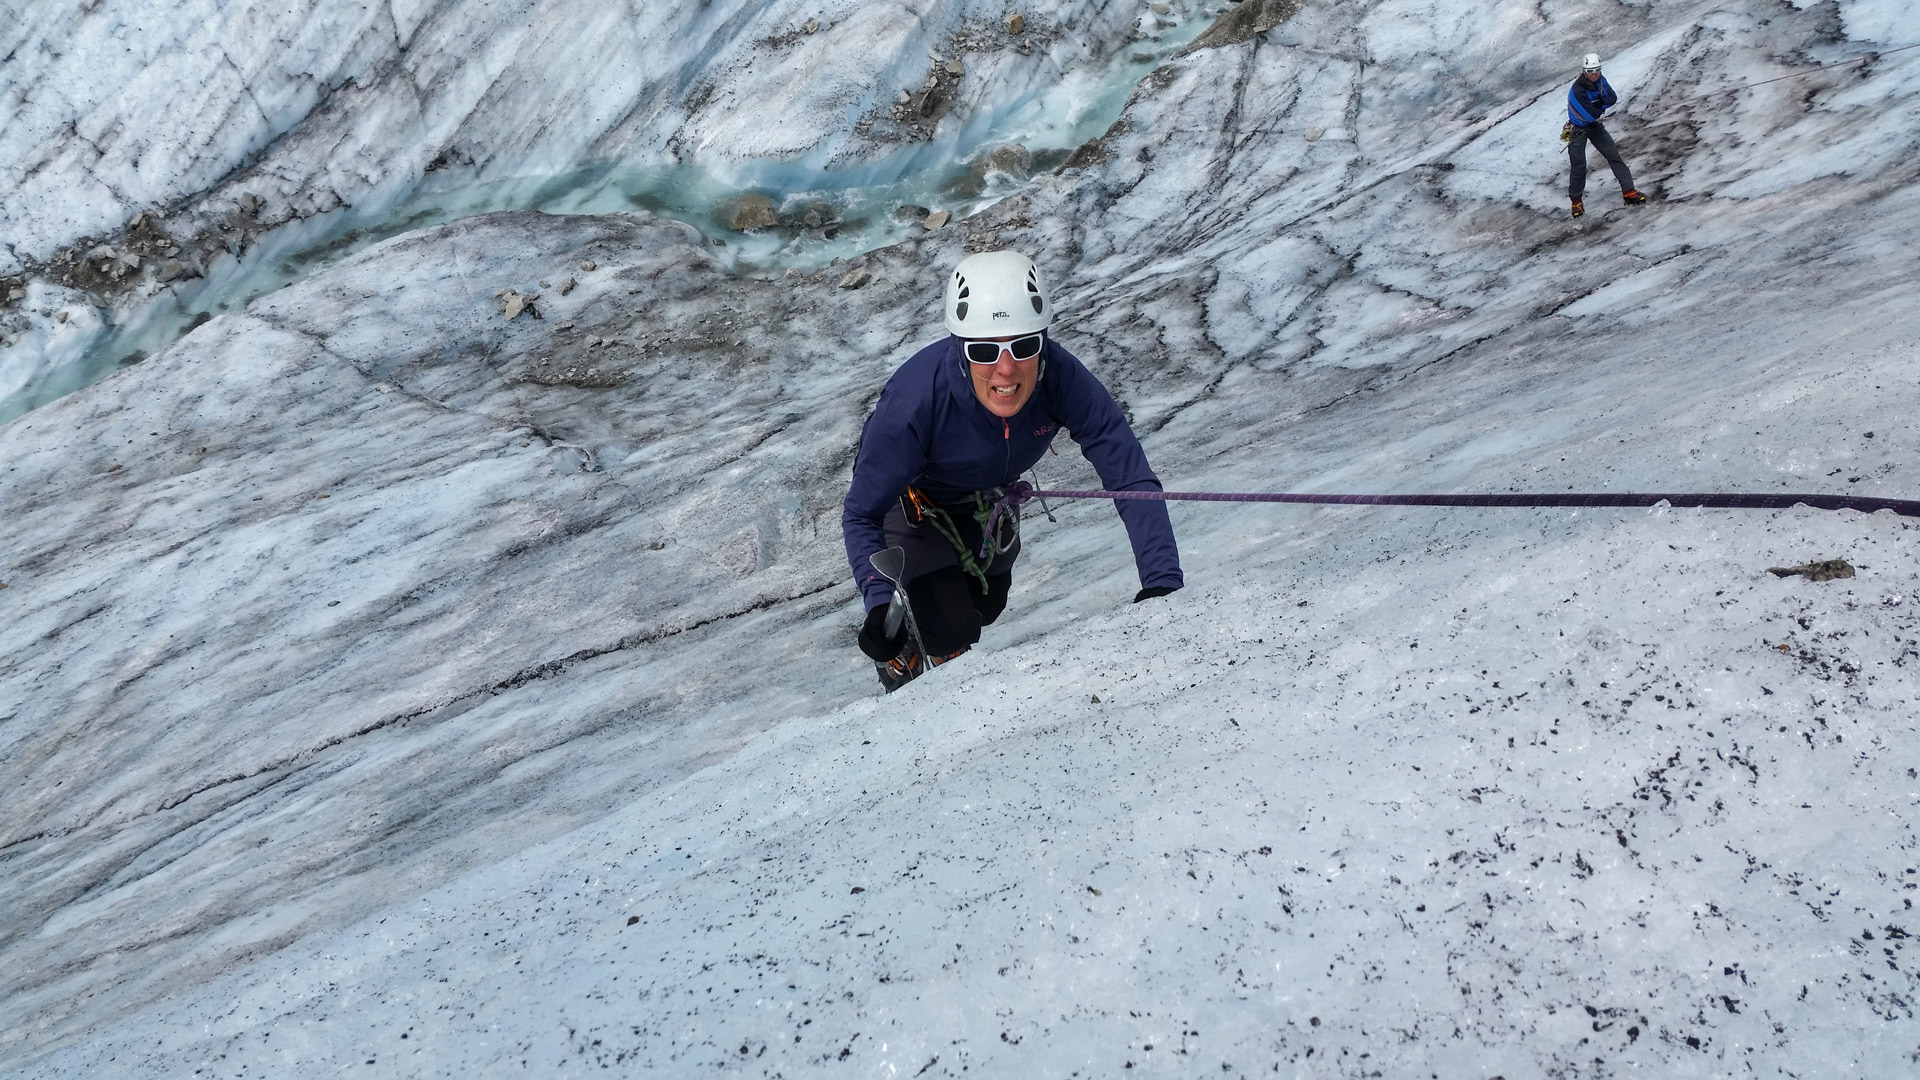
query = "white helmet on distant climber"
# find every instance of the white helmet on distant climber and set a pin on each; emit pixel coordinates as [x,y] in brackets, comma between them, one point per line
[996,293]
[1590,62]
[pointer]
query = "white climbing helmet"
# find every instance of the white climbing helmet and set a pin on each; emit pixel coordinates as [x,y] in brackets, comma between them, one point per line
[1590,62]
[996,293]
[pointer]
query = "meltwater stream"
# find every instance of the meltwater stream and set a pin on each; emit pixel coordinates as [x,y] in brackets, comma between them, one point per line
[826,211]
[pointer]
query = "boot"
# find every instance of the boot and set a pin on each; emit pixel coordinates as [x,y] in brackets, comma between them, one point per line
[1579,208]
[1632,197]
[900,670]
[909,666]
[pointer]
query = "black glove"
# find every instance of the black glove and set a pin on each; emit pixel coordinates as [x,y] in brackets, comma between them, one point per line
[873,636]
[1152,591]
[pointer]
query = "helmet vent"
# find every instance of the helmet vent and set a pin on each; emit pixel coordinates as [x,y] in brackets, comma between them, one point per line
[963,292]
[1036,304]
[960,310]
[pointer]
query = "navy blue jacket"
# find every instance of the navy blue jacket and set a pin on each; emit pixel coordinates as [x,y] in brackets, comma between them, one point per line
[928,430]
[1586,101]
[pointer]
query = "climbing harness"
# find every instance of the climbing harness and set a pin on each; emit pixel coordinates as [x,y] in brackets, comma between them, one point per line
[1021,491]
[988,513]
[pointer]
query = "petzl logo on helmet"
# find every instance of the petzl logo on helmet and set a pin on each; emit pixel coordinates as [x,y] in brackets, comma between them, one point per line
[1001,315]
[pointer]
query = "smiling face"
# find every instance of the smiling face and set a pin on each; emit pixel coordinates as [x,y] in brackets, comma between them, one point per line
[1590,76]
[1004,386]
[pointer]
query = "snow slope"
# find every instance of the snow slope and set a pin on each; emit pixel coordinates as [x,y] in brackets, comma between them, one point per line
[541,739]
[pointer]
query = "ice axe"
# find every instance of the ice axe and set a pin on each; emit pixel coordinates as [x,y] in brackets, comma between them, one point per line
[891,563]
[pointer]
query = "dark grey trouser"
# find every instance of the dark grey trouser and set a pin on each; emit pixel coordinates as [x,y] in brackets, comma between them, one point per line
[949,605]
[1577,156]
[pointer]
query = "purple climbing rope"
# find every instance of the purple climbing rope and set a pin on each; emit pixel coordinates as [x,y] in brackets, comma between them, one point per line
[1020,491]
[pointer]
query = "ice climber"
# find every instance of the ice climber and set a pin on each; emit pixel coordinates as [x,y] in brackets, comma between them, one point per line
[956,423]
[1587,99]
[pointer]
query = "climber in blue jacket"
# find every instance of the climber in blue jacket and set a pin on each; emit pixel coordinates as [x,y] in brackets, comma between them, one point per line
[958,422]
[1587,99]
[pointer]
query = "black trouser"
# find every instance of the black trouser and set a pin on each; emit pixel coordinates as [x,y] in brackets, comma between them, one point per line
[1577,157]
[951,609]
[948,602]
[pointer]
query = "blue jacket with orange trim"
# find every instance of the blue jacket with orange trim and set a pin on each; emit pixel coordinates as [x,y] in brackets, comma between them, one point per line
[1586,101]
[928,430]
